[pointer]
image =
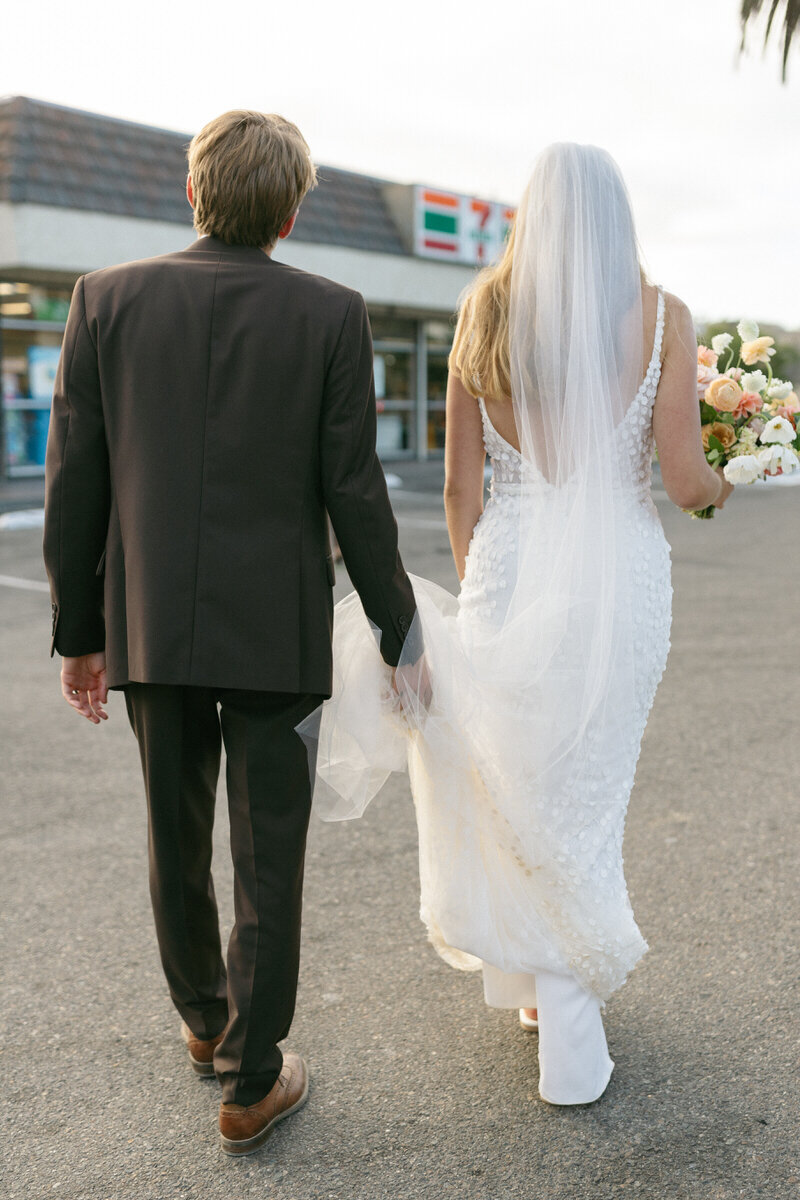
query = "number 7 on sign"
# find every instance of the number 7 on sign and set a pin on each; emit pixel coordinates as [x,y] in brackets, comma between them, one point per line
[481,209]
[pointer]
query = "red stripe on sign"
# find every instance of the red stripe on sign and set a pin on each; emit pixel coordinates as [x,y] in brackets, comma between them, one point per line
[431,245]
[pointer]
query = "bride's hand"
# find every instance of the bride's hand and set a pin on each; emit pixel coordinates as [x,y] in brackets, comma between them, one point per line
[727,488]
[412,682]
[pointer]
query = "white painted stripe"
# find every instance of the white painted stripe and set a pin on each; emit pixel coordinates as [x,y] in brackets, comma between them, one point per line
[26,518]
[29,585]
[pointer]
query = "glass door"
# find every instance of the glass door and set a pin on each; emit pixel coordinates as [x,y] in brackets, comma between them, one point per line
[395,361]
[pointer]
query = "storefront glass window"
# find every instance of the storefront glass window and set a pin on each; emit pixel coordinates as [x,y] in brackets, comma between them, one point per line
[31,328]
[31,302]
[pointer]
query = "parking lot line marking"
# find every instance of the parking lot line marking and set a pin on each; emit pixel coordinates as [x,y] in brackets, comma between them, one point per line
[30,585]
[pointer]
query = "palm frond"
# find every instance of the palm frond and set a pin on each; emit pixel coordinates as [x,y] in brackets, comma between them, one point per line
[791,16]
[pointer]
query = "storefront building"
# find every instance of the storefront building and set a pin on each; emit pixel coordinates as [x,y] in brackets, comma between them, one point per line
[79,191]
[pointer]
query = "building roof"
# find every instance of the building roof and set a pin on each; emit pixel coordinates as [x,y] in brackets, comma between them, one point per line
[68,158]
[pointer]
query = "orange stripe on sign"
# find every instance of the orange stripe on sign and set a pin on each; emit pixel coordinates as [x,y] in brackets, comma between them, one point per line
[440,198]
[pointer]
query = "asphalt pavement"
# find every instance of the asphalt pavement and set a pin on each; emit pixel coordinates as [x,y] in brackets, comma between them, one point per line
[418,1090]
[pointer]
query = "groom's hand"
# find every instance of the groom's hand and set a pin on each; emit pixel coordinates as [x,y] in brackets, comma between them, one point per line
[83,685]
[412,682]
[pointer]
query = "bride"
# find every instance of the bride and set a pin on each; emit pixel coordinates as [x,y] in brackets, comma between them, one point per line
[521,723]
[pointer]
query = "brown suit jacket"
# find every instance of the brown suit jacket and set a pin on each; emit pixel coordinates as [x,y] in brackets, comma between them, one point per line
[210,405]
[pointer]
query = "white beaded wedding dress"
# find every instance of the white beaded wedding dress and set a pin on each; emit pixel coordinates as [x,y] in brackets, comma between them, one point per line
[544,668]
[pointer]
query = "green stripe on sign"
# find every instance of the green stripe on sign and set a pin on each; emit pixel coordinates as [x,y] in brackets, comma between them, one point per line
[441,222]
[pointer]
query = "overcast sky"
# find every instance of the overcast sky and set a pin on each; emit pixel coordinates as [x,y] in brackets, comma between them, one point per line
[464,93]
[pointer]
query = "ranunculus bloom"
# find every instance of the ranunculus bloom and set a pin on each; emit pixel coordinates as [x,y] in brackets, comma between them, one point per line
[749,405]
[723,394]
[747,330]
[735,373]
[789,407]
[706,357]
[777,430]
[759,350]
[722,432]
[745,468]
[705,375]
[721,342]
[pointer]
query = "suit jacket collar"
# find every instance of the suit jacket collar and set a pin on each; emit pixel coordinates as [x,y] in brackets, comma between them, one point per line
[213,245]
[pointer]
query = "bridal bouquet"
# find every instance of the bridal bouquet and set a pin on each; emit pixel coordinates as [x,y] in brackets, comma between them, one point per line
[749,418]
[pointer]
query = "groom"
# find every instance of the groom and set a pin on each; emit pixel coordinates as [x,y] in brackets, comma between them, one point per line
[211,405]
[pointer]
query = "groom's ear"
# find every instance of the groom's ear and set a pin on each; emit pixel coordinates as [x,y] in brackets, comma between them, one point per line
[189,190]
[287,228]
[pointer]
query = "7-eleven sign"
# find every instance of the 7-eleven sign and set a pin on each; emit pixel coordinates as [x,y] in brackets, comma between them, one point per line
[459,228]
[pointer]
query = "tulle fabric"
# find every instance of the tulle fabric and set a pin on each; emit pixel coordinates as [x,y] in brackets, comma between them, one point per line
[520,709]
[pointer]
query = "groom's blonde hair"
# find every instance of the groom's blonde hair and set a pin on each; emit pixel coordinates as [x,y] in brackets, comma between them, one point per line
[250,171]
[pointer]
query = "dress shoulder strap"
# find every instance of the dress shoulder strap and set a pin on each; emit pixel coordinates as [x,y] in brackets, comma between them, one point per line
[658,338]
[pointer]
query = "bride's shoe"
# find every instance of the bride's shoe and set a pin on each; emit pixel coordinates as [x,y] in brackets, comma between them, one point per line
[574,1064]
[529,1023]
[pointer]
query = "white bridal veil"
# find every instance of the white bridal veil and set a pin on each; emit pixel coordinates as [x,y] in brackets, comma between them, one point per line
[510,712]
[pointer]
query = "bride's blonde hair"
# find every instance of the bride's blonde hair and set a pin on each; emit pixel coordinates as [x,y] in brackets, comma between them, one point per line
[480,355]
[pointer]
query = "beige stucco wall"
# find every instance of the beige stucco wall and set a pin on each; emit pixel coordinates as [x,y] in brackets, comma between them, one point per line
[63,241]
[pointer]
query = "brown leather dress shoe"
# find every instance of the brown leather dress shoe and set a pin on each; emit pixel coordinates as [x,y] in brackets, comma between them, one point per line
[243,1129]
[201,1054]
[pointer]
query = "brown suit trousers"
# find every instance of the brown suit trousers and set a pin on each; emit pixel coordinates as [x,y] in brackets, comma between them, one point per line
[180,731]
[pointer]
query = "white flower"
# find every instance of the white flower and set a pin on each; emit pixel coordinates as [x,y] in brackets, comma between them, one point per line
[774,459]
[777,430]
[746,468]
[747,443]
[721,342]
[778,389]
[754,382]
[747,331]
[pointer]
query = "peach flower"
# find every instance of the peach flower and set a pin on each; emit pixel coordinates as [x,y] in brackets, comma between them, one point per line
[759,350]
[789,406]
[749,405]
[724,394]
[722,432]
[706,357]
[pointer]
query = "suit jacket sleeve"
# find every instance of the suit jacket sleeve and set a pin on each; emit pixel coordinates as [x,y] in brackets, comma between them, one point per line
[76,492]
[354,486]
